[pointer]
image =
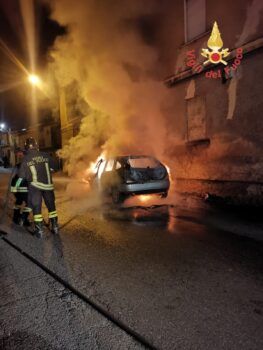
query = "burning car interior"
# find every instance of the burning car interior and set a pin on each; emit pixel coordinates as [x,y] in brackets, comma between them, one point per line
[125,176]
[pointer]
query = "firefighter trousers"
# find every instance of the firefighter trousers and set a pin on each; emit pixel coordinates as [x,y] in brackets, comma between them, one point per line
[20,199]
[35,196]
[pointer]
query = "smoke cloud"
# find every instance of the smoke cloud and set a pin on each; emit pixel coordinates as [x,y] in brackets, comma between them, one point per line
[110,59]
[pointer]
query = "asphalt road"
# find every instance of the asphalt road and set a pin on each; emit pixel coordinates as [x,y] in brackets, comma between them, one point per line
[38,313]
[180,284]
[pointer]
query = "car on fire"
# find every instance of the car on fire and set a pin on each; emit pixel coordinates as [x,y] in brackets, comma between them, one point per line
[124,176]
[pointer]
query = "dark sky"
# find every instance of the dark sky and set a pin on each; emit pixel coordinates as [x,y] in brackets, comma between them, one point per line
[14,104]
[14,90]
[15,100]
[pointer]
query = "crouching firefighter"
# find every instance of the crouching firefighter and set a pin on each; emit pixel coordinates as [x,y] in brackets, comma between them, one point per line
[36,169]
[21,196]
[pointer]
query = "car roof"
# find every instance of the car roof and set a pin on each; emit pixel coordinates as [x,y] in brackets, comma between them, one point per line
[125,158]
[132,157]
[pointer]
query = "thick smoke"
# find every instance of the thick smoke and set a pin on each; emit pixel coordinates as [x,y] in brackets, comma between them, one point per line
[114,67]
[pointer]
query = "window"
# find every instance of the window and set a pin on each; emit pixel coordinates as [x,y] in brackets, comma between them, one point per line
[194,15]
[196,119]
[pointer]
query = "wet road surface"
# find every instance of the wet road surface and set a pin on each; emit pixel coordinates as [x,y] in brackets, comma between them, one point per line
[180,284]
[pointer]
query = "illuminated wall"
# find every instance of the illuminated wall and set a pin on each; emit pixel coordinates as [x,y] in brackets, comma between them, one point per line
[216,124]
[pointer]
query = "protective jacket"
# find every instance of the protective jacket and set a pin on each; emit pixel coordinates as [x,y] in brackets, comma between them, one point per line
[36,169]
[23,185]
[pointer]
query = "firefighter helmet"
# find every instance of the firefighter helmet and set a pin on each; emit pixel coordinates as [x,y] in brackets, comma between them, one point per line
[31,143]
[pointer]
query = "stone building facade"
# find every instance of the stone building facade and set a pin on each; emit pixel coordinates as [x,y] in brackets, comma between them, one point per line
[215,122]
[47,135]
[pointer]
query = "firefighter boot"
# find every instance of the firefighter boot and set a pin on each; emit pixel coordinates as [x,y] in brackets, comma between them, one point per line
[16,216]
[54,225]
[25,221]
[39,229]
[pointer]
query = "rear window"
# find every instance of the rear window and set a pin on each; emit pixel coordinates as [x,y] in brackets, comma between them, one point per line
[143,162]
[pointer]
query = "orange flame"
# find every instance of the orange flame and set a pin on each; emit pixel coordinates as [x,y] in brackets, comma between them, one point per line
[144,198]
[92,169]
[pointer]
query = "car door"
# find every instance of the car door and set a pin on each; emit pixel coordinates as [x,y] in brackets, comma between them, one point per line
[100,166]
[107,176]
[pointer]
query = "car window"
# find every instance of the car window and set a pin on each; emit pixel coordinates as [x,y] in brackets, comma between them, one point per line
[109,166]
[101,168]
[118,165]
[143,162]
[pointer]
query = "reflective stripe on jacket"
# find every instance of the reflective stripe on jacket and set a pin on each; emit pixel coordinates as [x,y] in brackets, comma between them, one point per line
[18,186]
[15,189]
[36,169]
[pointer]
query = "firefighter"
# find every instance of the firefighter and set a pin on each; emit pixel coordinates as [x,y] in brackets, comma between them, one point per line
[36,168]
[21,194]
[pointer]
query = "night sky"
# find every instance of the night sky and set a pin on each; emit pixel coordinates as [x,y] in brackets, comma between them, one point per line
[14,104]
[153,29]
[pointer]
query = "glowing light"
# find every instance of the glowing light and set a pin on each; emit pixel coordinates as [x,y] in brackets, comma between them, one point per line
[92,169]
[169,174]
[34,79]
[2,126]
[168,170]
[172,220]
[93,165]
[146,197]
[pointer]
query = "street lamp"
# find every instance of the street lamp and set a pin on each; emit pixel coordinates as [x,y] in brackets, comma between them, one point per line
[35,82]
[2,126]
[34,79]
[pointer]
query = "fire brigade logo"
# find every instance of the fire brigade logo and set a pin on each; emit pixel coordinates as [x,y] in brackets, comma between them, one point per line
[215,54]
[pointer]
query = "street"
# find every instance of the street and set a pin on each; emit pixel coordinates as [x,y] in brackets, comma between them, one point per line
[179,284]
[131,175]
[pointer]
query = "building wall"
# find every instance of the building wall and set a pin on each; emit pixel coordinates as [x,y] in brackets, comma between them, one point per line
[227,159]
[70,123]
[47,136]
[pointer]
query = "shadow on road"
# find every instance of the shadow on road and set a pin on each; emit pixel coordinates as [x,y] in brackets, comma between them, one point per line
[157,215]
[24,340]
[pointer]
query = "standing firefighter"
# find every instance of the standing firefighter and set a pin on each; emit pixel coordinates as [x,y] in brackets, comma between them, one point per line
[21,194]
[36,169]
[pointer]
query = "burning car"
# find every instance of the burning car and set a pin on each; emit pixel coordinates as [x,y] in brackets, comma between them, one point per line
[124,176]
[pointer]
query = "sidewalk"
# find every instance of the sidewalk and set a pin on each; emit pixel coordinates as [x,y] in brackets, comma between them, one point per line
[37,313]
